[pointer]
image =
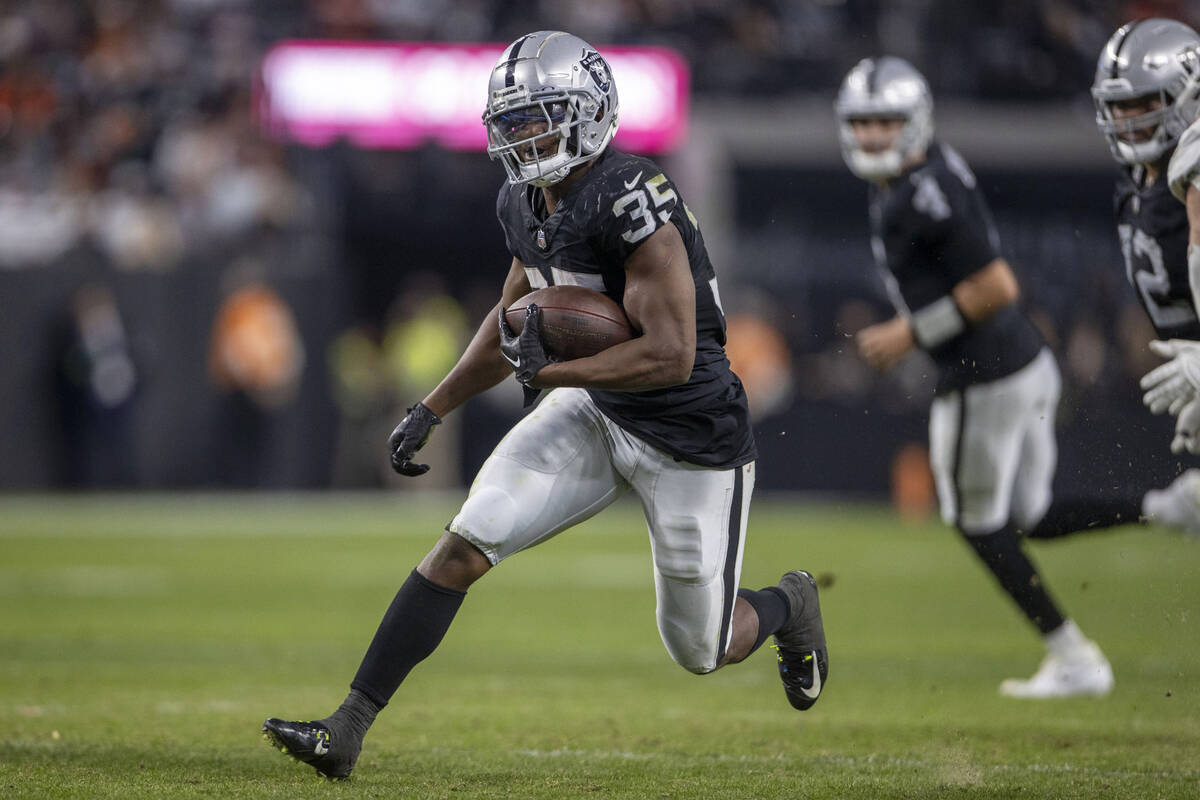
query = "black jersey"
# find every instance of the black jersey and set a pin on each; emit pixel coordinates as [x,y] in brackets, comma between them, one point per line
[617,204]
[1153,228]
[930,229]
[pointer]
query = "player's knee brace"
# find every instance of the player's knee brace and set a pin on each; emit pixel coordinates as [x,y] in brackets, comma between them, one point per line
[486,520]
[696,660]
[689,646]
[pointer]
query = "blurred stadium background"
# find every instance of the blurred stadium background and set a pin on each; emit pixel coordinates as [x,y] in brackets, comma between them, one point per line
[198,294]
[238,237]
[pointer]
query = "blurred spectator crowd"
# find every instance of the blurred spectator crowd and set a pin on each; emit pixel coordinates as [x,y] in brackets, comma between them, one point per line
[130,122]
[128,125]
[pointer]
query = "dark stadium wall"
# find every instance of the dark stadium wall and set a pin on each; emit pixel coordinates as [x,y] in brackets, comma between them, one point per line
[798,253]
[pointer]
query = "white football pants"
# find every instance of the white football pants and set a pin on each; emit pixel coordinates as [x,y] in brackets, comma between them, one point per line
[566,461]
[993,451]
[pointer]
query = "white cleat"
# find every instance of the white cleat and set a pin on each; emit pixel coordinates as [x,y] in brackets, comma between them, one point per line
[1177,505]
[1082,671]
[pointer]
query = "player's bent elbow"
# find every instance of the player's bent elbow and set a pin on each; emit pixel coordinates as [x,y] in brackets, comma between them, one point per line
[1002,285]
[663,365]
[681,375]
[677,365]
[1011,291]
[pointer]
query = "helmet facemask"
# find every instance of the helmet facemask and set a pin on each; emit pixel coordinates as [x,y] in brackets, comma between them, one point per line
[1151,67]
[1148,136]
[538,142]
[552,106]
[884,88]
[911,141]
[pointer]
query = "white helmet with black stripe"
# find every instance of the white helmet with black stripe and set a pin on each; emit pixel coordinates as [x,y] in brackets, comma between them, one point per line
[1154,63]
[552,105]
[884,88]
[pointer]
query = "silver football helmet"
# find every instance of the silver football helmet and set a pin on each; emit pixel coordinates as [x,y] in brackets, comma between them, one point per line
[1156,61]
[887,88]
[552,105]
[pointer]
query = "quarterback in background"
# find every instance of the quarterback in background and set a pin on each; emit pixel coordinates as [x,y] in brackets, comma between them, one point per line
[1147,93]
[661,415]
[991,428]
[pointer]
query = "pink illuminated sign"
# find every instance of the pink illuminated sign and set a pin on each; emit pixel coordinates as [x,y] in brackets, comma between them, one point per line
[400,95]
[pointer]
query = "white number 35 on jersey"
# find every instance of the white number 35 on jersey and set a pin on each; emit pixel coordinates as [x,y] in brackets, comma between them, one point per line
[638,205]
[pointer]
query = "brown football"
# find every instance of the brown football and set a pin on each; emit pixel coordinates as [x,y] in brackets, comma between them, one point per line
[576,322]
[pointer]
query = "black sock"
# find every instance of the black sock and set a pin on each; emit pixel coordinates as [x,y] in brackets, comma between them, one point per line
[1083,516]
[356,713]
[772,608]
[411,629]
[1001,552]
[349,725]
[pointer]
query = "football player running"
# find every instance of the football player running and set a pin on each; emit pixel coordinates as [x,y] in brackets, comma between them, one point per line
[991,427]
[661,415]
[1147,92]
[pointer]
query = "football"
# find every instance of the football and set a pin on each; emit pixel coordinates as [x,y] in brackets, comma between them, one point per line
[576,322]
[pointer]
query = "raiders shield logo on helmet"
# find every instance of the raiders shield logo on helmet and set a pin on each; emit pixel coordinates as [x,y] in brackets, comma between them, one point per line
[594,63]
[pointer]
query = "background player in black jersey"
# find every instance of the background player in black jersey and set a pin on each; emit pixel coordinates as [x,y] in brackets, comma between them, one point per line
[1147,92]
[661,415]
[991,429]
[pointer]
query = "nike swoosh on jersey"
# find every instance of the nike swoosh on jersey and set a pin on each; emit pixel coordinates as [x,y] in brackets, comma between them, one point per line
[632,183]
[812,693]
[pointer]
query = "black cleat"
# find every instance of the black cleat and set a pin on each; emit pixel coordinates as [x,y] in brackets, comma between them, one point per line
[312,743]
[803,657]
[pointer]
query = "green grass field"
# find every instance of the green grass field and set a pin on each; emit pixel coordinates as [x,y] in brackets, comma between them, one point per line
[143,639]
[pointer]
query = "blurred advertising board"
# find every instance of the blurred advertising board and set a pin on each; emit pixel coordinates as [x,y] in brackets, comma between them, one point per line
[400,95]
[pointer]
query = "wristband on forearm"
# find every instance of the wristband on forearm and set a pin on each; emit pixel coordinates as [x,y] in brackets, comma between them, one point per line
[938,322]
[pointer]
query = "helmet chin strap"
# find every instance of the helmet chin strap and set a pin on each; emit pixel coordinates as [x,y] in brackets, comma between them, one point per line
[551,178]
[875,166]
[533,174]
[1143,152]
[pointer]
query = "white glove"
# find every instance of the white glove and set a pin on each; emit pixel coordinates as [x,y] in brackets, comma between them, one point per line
[1171,386]
[1187,430]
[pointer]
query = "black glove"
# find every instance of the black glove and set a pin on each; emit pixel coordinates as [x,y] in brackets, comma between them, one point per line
[410,436]
[525,352]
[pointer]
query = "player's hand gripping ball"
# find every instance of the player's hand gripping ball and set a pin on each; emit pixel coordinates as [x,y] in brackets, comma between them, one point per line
[522,348]
[574,322]
[524,351]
